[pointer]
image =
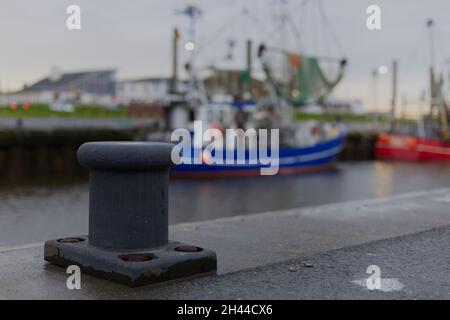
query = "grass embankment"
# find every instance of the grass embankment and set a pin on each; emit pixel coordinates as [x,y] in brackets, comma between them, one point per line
[81,112]
[300,116]
[99,112]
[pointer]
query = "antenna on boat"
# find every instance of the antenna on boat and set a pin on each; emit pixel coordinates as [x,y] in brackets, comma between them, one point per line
[430,25]
[193,13]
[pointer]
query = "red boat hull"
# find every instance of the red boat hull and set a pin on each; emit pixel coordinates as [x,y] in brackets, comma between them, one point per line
[396,147]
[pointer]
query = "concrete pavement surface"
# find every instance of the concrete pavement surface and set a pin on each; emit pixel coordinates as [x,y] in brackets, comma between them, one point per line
[321,252]
[411,267]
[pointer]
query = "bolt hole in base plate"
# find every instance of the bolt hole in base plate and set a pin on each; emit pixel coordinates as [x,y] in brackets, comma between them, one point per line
[137,257]
[188,249]
[71,240]
[174,261]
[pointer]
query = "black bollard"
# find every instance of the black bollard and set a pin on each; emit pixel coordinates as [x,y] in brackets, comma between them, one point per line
[128,219]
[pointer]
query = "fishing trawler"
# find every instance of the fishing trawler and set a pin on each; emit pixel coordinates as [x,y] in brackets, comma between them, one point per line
[293,80]
[426,139]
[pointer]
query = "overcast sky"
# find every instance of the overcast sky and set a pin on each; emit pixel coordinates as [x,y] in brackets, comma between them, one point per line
[134,37]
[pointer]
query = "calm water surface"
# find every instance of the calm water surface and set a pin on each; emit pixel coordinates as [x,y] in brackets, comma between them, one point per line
[34,214]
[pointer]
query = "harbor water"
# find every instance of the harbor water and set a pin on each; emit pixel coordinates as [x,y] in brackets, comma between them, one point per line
[31,214]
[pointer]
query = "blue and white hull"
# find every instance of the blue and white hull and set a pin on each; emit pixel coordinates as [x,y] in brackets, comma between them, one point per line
[292,160]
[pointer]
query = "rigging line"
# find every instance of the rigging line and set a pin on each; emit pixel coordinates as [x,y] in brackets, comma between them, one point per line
[283,16]
[324,32]
[279,22]
[225,5]
[330,27]
[241,24]
[314,25]
[262,30]
[295,32]
[446,61]
[321,32]
[322,46]
[441,49]
[318,27]
[206,44]
[218,34]
[415,54]
[321,41]
[299,35]
[299,6]
[260,26]
[328,40]
[303,22]
[276,29]
[321,58]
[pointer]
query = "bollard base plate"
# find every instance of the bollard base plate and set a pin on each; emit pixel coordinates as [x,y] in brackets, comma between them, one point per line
[132,268]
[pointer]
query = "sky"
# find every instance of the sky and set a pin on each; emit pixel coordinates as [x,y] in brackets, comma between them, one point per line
[134,37]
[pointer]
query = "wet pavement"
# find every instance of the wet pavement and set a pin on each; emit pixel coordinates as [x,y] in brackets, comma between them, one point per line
[411,267]
[309,253]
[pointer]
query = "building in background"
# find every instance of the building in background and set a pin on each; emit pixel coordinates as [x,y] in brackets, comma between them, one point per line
[149,90]
[158,90]
[235,83]
[335,106]
[88,87]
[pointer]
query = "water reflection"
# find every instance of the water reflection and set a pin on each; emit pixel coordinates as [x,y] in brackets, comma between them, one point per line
[383,178]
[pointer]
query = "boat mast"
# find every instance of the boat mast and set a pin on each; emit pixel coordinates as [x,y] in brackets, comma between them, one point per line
[175,40]
[193,13]
[375,74]
[394,88]
[430,24]
[436,94]
[249,52]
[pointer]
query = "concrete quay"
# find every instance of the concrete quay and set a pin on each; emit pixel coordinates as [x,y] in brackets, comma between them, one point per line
[309,253]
